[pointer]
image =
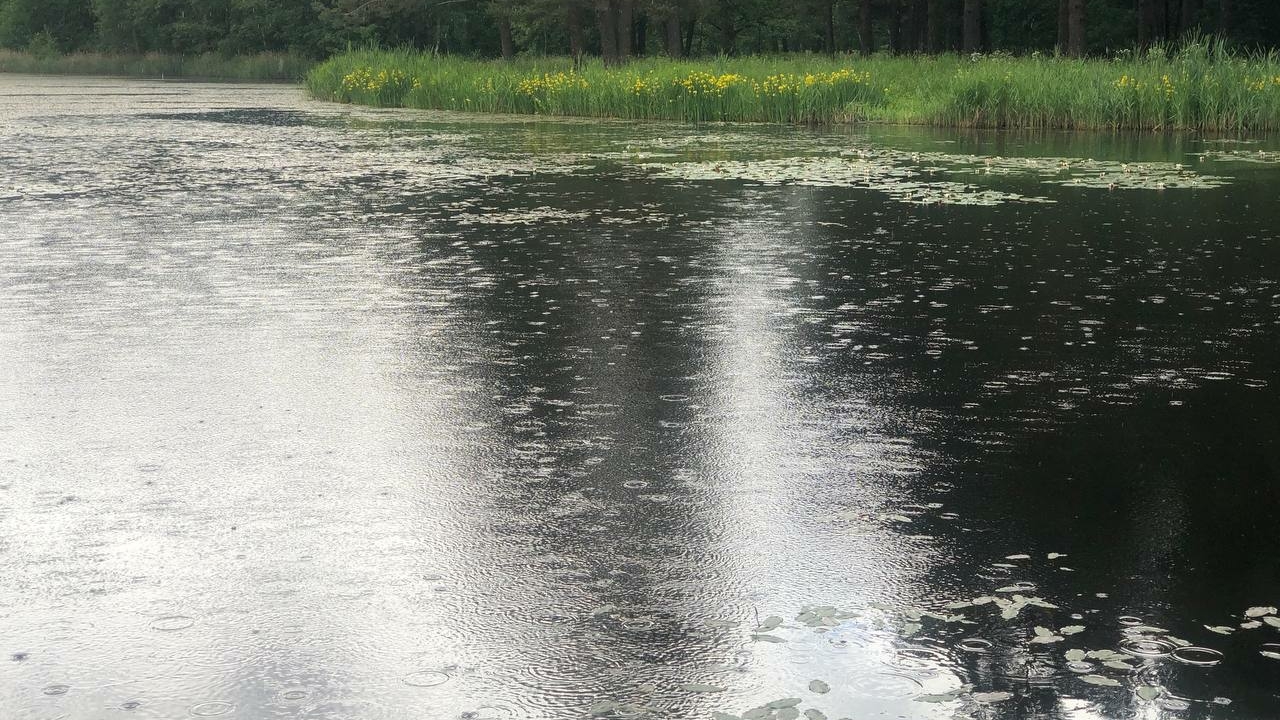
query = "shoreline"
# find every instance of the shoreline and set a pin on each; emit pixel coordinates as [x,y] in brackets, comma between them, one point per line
[1198,88]
[264,67]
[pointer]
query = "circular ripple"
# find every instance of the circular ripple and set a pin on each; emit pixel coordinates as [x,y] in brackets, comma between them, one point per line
[1147,647]
[884,686]
[917,660]
[638,624]
[674,398]
[487,712]
[1200,656]
[975,645]
[1080,666]
[211,709]
[170,623]
[295,694]
[636,484]
[1270,650]
[425,678]
[130,704]
[1129,620]
[56,689]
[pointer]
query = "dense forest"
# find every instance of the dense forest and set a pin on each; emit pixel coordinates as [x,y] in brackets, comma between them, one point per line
[618,29]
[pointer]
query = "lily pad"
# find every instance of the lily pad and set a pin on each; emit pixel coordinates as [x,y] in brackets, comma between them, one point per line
[1019,556]
[783,703]
[950,696]
[988,698]
[1071,630]
[818,686]
[1075,655]
[1100,680]
[1220,629]
[769,623]
[759,637]
[815,714]
[1148,692]
[1273,621]
[1255,612]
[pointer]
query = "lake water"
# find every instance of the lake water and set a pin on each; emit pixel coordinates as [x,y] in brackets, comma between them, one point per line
[318,412]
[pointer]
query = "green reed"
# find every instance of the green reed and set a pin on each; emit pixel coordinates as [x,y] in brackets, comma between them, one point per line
[1198,86]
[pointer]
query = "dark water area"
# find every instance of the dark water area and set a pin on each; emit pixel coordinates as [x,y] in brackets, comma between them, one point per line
[318,412]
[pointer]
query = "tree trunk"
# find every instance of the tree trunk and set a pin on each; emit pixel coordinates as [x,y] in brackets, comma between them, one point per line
[1146,21]
[895,27]
[1064,17]
[690,33]
[576,40]
[866,39]
[829,39]
[933,26]
[640,35]
[607,21]
[728,34]
[920,25]
[625,10]
[1075,32]
[1189,18]
[972,26]
[675,41]
[504,35]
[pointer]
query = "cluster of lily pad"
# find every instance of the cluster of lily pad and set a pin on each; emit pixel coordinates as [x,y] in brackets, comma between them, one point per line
[1140,646]
[920,177]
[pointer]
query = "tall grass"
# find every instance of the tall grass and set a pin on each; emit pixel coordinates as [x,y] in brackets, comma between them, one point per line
[1199,86]
[263,67]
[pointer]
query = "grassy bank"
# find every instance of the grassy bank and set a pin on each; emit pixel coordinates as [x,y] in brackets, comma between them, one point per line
[1198,87]
[264,67]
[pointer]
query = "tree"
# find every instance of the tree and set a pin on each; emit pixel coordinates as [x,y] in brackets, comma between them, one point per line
[1189,18]
[1064,20]
[607,23]
[502,10]
[1075,28]
[866,36]
[972,25]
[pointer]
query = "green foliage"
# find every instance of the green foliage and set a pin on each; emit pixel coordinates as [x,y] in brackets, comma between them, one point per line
[211,66]
[68,24]
[318,28]
[1201,86]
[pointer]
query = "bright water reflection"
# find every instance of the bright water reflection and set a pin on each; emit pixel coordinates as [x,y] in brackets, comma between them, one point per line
[315,412]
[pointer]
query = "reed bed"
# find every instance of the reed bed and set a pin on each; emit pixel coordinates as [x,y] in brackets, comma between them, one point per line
[265,67]
[1200,86]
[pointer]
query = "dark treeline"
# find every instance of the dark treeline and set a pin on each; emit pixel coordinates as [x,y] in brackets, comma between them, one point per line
[617,29]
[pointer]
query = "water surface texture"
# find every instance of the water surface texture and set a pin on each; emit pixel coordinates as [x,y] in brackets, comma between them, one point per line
[318,412]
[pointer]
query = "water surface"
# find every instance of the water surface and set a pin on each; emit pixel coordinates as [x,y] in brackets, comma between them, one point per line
[318,412]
